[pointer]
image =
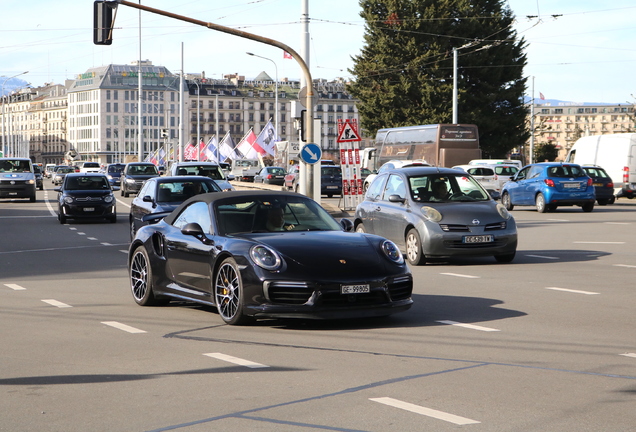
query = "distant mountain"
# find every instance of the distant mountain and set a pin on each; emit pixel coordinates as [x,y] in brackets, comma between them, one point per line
[557,102]
[11,84]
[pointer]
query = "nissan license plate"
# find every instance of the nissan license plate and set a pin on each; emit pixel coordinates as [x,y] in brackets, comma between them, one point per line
[478,239]
[89,209]
[355,289]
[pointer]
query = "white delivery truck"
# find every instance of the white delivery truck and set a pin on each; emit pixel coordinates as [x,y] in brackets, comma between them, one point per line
[615,153]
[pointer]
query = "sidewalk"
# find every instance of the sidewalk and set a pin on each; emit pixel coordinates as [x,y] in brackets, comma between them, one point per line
[331,208]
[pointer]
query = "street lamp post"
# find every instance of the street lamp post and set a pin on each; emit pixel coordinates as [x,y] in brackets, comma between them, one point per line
[198,115]
[4,138]
[276,90]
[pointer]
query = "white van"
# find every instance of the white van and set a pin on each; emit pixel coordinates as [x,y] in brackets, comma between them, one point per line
[615,153]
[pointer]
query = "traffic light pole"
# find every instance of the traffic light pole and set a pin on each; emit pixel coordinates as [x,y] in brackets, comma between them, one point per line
[267,41]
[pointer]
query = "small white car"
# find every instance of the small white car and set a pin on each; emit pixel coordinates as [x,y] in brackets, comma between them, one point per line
[484,175]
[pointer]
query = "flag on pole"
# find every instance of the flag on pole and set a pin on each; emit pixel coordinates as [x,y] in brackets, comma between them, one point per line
[246,146]
[162,156]
[541,96]
[266,140]
[227,149]
[211,151]
[190,152]
[286,55]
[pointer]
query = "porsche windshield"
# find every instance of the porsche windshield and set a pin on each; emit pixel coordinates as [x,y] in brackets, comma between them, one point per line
[255,214]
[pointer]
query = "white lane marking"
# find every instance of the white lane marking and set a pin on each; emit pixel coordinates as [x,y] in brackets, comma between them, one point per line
[543,256]
[72,228]
[53,249]
[106,244]
[597,242]
[629,355]
[461,275]
[236,360]
[123,327]
[572,291]
[624,265]
[618,223]
[56,303]
[123,203]
[15,287]
[91,238]
[559,220]
[124,251]
[440,415]
[81,233]
[48,205]
[469,326]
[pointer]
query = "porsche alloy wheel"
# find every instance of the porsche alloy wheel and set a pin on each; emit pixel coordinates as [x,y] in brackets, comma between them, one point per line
[141,279]
[228,293]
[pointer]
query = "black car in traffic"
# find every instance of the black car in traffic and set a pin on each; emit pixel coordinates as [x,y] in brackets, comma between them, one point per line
[602,182]
[164,194]
[86,196]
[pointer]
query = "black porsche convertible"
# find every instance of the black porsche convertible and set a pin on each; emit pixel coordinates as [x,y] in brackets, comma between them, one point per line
[266,254]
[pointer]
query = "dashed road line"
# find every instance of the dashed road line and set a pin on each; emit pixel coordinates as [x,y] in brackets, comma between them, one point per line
[236,360]
[440,415]
[597,242]
[15,287]
[629,355]
[56,303]
[468,326]
[91,238]
[624,265]
[123,327]
[543,257]
[461,275]
[572,291]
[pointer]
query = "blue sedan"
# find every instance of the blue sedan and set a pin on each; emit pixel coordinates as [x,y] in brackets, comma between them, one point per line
[549,185]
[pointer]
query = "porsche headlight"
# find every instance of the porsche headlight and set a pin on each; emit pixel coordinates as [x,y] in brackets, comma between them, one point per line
[503,212]
[431,214]
[392,252]
[265,257]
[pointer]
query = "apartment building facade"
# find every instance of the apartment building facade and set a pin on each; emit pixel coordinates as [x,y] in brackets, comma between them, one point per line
[563,123]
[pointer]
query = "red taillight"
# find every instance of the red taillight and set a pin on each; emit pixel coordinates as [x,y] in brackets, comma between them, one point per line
[625,174]
[269,177]
[610,184]
[549,182]
[590,181]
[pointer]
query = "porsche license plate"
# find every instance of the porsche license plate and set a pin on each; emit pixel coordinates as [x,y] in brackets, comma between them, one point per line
[355,289]
[479,239]
[89,209]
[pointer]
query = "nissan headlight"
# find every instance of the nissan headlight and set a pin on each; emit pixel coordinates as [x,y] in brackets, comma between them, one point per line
[503,212]
[266,257]
[392,252]
[431,214]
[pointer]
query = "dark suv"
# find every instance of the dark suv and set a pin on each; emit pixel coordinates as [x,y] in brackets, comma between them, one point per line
[135,174]
[330,180]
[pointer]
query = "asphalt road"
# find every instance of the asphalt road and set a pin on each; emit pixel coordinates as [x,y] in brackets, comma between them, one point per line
[546,343]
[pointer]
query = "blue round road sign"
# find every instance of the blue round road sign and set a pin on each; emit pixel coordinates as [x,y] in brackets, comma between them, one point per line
[310,153]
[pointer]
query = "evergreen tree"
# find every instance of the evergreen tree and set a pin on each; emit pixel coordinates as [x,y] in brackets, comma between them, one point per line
[404,73]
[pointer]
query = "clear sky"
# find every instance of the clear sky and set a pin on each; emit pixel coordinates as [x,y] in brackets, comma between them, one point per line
[579,50]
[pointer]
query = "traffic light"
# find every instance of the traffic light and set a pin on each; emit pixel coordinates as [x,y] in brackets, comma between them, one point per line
[103,21]
[303,119]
